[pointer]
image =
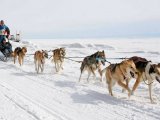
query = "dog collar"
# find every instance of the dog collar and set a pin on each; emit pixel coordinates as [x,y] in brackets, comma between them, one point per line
[97,58]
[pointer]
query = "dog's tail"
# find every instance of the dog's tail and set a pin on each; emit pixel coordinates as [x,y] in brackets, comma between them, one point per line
[82,66]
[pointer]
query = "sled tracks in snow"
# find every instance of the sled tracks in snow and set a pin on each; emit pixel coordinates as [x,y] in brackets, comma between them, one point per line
[37,110]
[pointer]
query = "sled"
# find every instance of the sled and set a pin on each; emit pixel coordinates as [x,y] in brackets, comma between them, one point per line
[6,53]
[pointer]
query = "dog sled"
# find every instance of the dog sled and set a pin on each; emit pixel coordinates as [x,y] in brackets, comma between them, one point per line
[5,56]
[6,51]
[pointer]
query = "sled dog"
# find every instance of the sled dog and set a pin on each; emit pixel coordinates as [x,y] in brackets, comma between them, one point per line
[146,72]
[58,58]
[120,73]
[39,60]
[20,53]
[92,63]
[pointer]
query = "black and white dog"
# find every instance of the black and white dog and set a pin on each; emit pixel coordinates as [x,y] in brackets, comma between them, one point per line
[146,72]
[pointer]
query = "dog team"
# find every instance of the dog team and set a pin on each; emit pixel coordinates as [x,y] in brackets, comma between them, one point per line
[40,56]
[121,73]
[135,67]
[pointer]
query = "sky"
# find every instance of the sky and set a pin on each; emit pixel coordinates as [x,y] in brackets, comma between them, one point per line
[82,18]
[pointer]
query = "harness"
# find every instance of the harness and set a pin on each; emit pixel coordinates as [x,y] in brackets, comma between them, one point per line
[44,55]
[113,67]
[146,79]
[90,60]
[60,55]
[122,72]
[101,59]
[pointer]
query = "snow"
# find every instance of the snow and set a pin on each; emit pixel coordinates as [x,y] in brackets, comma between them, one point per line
[26,95]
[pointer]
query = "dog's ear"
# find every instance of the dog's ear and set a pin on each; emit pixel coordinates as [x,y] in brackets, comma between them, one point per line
[63,48]
[98,52]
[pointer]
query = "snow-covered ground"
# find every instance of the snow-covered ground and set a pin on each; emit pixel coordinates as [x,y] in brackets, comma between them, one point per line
[26,95]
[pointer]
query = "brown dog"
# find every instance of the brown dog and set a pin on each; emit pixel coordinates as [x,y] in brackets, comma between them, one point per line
[20,53]
[39,60]
[58,58]
[120,73]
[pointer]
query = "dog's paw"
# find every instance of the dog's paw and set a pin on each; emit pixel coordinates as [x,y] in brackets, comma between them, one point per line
[129,93]
[153,100]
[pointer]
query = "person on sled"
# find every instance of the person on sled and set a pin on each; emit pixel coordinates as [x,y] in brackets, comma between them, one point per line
[6,29]
[5,46]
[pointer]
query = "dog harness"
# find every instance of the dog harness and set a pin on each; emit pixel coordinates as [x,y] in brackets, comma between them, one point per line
[113,67]
[124,77]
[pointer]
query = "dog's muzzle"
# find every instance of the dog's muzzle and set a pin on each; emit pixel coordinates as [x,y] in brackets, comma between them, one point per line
[132,74]
[103,61]
[46,55]
[157,78]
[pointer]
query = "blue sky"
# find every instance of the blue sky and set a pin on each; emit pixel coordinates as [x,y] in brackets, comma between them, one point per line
[82,18]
